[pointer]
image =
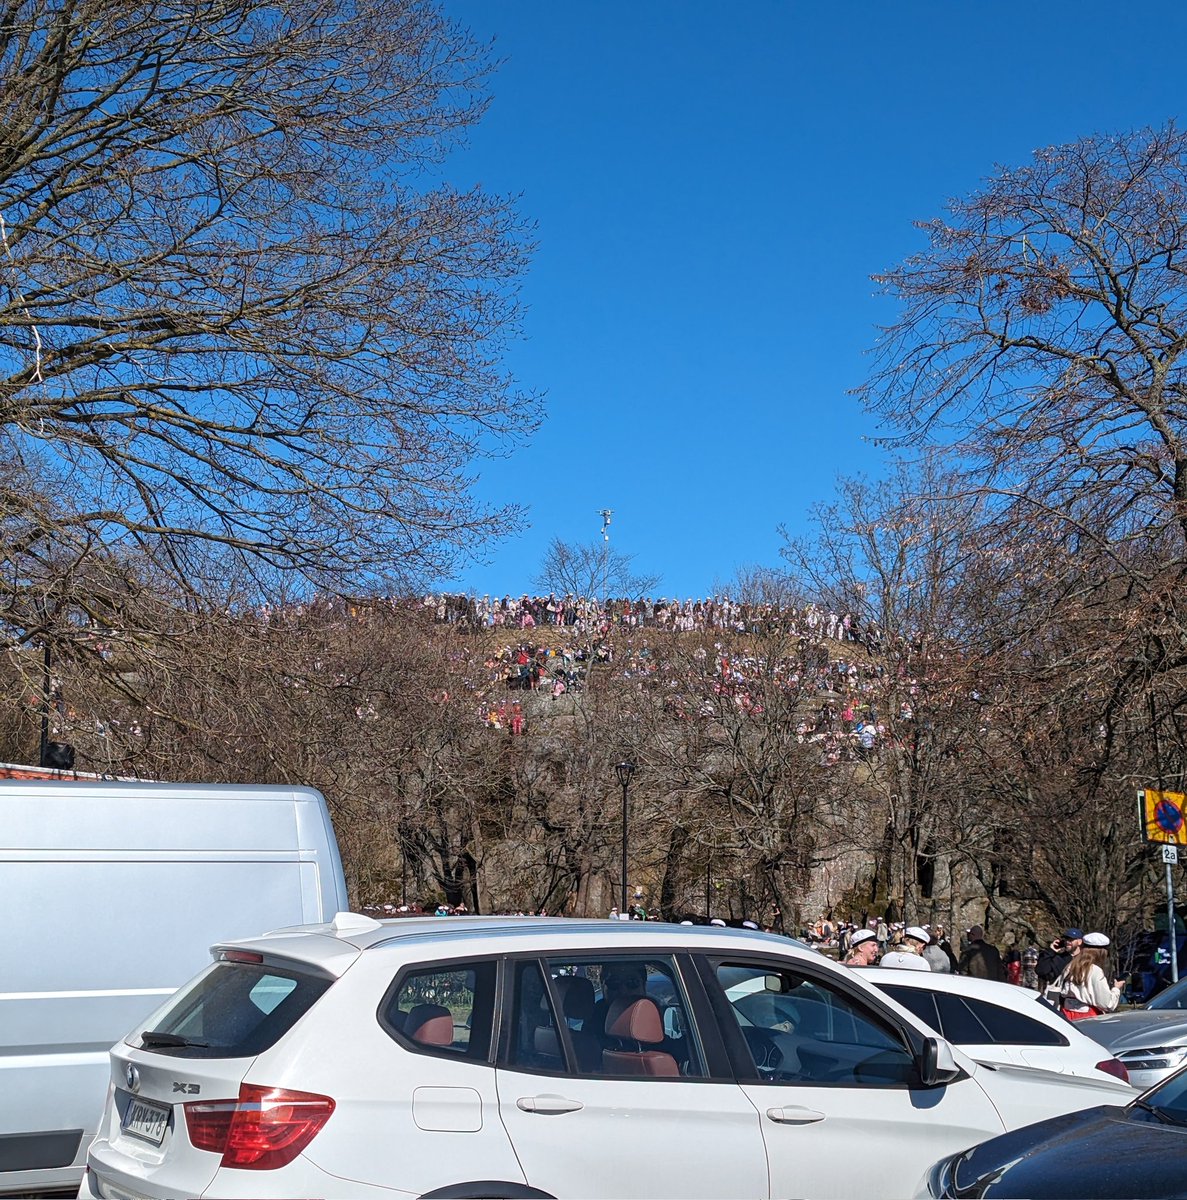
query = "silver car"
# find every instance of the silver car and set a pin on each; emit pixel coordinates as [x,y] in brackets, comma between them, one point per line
[1151,1041]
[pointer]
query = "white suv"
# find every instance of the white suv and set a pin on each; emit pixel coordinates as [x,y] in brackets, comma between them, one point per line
[526,1057]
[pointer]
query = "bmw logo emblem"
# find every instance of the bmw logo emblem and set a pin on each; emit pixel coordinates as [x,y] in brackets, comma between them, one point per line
[132,1075]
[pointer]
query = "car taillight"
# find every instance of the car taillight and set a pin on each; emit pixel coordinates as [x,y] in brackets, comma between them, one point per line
[240,956]
[264,1129]
[1112,1066]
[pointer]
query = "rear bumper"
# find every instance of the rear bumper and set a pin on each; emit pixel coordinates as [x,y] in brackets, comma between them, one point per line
[112,1176]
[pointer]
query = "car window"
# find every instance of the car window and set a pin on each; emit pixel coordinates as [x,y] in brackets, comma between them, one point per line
[536,1040]
[959,1023]
[919,1001]
[444,1010]
[1174,996]
[623,1016]
[971,1022]
[799,1029]
[233,1010]
[1010,1028]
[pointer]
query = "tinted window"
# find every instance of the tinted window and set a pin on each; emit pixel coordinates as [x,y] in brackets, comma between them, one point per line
[444,1009]
[799,1029]
[958,1022]
[1175,996]
[234,1010]
[1010,1028]
[918,1001]
[625,1016]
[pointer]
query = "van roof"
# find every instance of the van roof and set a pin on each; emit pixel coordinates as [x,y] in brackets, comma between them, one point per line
[71,786]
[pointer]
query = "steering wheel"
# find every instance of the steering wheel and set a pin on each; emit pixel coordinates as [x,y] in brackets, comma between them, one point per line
[768,1058]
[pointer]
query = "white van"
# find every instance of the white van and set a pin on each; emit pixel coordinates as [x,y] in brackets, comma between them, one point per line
[111,894]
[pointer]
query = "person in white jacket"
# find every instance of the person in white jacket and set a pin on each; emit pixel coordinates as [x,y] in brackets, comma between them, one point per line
[1083,985]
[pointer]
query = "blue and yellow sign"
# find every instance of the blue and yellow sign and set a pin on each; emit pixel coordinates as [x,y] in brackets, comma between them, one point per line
[1164,817]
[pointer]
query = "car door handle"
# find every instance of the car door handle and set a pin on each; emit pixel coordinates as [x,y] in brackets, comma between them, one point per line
[548,1105]
[795,1115]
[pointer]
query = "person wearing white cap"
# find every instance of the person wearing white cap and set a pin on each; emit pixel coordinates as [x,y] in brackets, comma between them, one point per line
[1083,987]
[912,941]
[863,949]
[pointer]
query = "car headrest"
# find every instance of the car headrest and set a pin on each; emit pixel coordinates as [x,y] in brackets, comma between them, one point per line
[430,1024]
[576,995]
[636,1018]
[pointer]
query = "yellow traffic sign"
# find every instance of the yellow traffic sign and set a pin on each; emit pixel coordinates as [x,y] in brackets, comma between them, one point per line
[1164,816]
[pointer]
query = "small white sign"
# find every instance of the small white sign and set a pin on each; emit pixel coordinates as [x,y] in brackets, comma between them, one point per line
[1170,854]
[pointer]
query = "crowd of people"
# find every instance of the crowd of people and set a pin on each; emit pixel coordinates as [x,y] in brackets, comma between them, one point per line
[1070,972]
[837,701]
[836,704]
[831,674]
[589,615]
[836,693]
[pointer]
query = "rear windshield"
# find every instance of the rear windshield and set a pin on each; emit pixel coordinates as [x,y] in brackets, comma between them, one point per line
[234,1010]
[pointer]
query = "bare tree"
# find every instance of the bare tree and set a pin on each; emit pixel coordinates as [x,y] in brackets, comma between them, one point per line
[1042,335]
[758,585]
[895,555]
[592,569]
[1044,331]
[240,320]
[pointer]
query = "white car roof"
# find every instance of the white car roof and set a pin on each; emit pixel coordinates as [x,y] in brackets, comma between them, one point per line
[334,945]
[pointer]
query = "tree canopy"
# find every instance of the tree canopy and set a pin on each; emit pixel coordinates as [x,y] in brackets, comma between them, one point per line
[244,319]
[1043,331]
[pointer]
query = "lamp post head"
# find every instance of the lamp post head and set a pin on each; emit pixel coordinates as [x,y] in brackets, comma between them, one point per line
[625,771]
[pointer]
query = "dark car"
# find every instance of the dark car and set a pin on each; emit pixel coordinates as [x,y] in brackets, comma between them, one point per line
[1138,1151]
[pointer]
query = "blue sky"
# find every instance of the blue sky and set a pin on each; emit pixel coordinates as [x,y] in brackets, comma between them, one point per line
[713,185]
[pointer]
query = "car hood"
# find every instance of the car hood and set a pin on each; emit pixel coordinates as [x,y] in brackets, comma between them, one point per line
[1103,1152]
[1133,1030]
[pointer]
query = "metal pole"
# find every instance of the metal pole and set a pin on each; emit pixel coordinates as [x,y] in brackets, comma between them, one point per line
[46,686]
[606,514]
[1172,937]
[623,911]
[1172,934]
[708,887]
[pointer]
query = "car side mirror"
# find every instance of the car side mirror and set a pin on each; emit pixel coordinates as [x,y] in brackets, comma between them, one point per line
[936,1063]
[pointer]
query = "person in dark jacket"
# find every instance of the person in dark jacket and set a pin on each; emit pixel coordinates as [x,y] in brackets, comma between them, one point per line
[1054,959]
[981,960]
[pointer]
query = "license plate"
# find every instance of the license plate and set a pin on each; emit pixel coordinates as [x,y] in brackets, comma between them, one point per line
[146,1119]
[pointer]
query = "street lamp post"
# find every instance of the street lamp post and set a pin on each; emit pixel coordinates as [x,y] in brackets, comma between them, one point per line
[606,514]
[625,770]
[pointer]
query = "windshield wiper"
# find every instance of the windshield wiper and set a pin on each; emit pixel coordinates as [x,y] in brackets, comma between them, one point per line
[158,1037]
[1161,1114]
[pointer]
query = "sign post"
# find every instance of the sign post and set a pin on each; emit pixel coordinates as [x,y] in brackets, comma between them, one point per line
[1164,821]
